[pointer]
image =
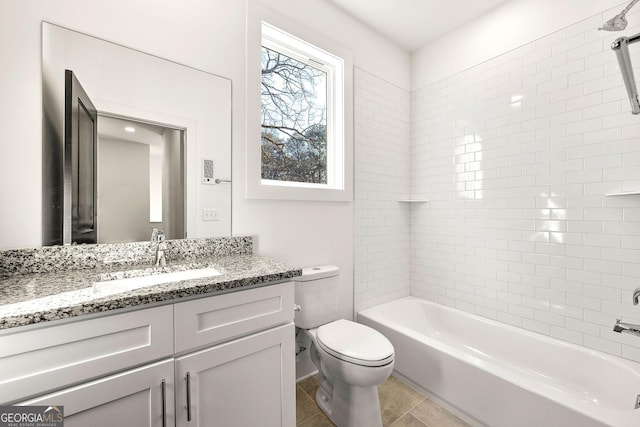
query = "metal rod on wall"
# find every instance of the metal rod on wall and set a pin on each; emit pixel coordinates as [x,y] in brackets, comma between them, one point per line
[621,47]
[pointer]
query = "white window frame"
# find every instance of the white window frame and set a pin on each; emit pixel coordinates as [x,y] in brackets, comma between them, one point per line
[275,32]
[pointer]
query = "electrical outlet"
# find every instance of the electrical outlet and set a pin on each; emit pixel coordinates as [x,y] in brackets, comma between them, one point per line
[210,214]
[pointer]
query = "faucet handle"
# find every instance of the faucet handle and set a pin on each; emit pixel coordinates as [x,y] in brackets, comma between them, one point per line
[160,237]
[617,327]
[636,296]
[154,234]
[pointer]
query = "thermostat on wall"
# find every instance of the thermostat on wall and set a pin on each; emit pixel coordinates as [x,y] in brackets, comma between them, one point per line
[207,171]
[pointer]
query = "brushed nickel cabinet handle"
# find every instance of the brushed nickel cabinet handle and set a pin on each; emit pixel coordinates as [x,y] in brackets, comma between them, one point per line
[188,378]
[164,403]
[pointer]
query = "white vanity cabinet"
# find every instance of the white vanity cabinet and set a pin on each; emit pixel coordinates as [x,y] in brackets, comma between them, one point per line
[140,397]
[248,381]
[225,360]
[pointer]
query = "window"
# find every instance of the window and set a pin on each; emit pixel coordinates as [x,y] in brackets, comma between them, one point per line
[294,119]
[302,115]
[299,145]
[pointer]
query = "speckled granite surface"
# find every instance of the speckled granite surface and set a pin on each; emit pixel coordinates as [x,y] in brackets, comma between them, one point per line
[44,296]
[51,259]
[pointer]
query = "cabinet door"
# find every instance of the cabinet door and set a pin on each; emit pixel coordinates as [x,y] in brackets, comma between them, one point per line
[245,383]
[135,398]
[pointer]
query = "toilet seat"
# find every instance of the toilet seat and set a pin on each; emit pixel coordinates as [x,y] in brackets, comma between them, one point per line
[355,343]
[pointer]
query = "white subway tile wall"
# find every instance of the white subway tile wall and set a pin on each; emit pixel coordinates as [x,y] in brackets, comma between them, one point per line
[382,239]
[516,155]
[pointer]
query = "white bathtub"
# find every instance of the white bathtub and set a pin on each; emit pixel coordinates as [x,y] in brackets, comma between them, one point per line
[499,375]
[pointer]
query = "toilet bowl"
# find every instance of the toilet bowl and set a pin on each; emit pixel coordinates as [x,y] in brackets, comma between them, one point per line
[352,359]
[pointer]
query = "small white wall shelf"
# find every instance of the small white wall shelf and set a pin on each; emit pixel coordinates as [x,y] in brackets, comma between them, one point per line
[413,201]
[624,193]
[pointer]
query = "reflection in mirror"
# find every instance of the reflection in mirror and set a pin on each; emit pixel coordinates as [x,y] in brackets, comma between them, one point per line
[174,102]
[140,180]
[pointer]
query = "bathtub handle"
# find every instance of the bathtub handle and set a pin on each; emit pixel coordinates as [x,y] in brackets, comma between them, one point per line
[296,307]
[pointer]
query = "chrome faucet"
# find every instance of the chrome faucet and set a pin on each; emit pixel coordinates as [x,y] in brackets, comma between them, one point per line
[157,239]
[629,328]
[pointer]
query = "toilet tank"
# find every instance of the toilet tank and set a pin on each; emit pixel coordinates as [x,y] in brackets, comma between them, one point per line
[316,292]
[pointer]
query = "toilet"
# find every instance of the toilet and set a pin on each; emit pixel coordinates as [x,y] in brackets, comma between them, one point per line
[352,359]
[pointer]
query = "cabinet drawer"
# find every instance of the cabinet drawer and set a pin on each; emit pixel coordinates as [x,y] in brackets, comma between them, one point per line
[36,361]
[220,318]
[133,398]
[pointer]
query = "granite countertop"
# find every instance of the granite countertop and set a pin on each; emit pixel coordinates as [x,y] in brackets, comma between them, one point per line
[40,297]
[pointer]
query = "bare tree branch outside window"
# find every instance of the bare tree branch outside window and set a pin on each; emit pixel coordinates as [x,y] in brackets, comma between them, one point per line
[294,123]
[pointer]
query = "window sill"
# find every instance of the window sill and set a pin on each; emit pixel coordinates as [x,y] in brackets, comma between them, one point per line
[285,192]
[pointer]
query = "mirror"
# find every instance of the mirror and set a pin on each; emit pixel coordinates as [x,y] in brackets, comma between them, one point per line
[178,180]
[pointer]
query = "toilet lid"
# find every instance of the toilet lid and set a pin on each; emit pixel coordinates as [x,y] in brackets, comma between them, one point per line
[355,343]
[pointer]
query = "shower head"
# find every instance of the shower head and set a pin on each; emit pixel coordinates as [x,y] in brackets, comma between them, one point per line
[618,22]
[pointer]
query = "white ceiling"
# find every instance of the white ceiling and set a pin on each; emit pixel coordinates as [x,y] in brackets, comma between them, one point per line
[113,127]
[411,24]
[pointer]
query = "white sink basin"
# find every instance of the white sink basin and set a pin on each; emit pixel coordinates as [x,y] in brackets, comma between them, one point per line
[131,283]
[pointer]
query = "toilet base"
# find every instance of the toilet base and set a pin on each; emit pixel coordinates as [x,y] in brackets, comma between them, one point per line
[350,406]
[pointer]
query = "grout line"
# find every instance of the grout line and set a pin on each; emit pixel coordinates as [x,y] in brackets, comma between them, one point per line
[313,399]
[409,411]
[423,398]
[307,419]
[314,402]
[316,415]
[417,419]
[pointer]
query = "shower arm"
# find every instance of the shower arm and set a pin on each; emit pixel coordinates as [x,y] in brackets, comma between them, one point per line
[628,7]
[621,47]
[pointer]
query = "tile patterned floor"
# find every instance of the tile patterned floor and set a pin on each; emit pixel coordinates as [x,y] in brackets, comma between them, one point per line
[401,406]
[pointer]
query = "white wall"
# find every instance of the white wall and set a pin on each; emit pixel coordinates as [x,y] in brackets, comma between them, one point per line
[172,184]
[516,155]
[507,27]
[123,196]
[382,147]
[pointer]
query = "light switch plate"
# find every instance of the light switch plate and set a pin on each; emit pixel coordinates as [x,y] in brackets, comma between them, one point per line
[210,214]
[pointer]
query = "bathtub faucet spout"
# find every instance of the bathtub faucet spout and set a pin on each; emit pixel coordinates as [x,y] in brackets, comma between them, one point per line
[629,328]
